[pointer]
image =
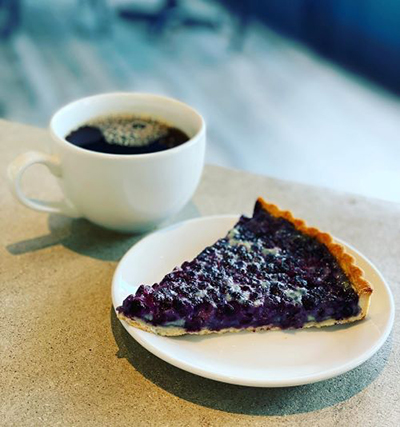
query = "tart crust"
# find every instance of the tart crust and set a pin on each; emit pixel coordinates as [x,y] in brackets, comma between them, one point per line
[174,331]
[360,285]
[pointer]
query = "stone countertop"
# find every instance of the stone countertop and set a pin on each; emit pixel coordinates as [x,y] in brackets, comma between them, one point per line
[66,359]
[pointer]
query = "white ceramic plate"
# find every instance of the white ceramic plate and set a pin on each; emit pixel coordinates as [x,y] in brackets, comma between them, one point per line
[263,359]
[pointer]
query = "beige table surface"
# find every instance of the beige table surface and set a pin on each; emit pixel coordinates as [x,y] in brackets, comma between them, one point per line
[66,360]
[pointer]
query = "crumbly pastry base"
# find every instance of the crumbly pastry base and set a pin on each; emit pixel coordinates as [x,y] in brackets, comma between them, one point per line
[174,331]
[361,286]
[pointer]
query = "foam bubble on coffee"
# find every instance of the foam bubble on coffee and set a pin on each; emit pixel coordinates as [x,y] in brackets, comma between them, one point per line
[129,130]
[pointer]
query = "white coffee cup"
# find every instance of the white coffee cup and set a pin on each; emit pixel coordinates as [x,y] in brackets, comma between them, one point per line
[127,193]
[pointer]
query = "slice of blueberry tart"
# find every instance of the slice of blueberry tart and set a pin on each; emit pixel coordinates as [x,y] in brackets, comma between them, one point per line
[270,271]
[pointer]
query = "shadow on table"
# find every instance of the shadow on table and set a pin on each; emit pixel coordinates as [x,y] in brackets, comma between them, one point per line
[85,238]
[246,400]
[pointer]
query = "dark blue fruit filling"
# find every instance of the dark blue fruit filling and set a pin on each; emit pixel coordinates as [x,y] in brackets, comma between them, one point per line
[264,272]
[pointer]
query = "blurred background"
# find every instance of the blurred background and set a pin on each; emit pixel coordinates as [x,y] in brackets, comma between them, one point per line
[305,90]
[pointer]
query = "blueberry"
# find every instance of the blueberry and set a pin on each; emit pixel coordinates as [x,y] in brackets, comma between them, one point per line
[138,125]
[227,309]
[274,289]
[308,302]
[136,307]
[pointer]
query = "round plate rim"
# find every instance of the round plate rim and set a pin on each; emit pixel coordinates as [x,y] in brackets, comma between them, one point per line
[238,380]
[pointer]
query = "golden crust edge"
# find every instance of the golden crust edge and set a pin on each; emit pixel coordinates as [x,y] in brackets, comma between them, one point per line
[174,331]
[346,261]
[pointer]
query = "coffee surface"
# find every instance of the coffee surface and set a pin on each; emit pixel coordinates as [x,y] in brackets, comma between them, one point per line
[126,134]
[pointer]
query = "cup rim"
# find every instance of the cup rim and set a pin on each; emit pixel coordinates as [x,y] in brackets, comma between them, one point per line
[169,151]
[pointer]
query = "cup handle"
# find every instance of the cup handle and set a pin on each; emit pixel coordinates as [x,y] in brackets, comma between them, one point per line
[17,168]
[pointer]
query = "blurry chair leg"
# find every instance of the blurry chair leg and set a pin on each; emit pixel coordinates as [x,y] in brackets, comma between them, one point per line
[10,17]
[244,15]
[156,20]
[168,13]
[240,31]
[171,11]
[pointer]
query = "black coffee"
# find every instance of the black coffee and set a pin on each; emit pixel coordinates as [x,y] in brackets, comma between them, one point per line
[126,134]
